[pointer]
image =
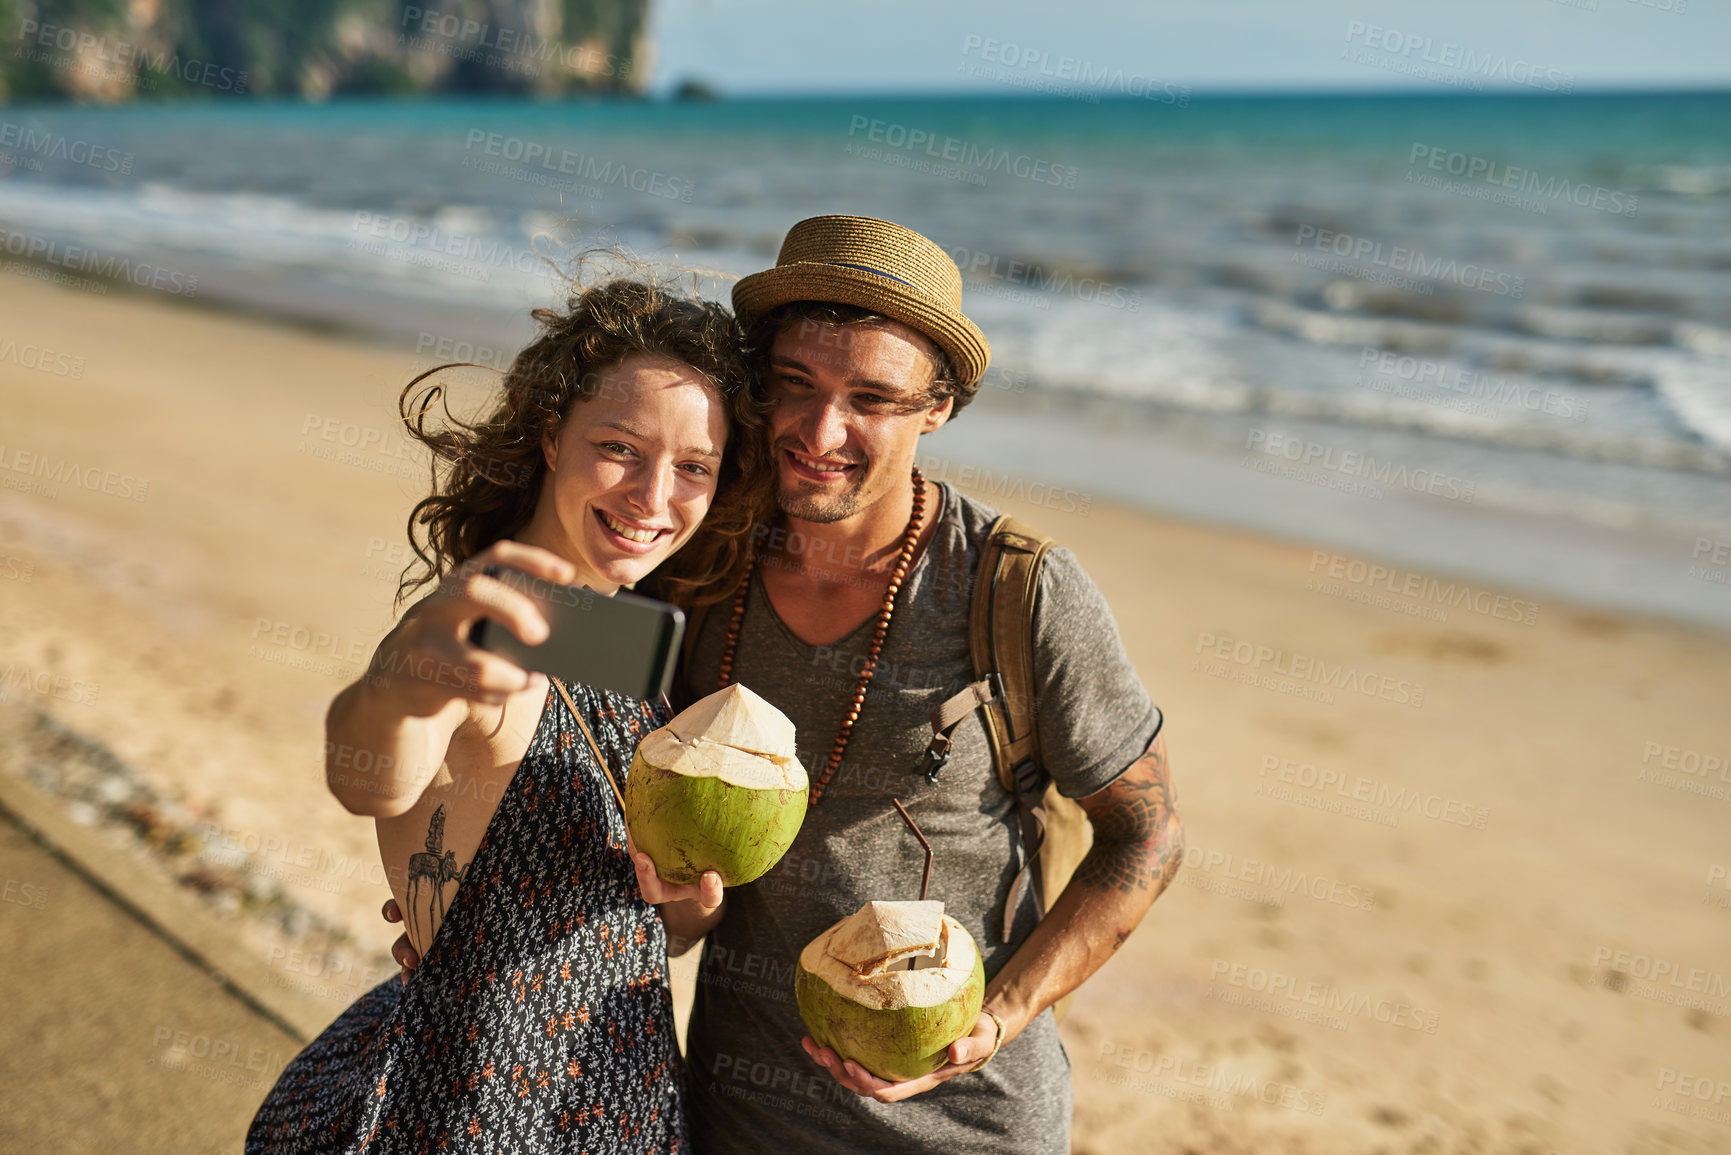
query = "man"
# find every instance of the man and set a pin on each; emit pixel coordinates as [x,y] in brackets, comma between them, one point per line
[854,622]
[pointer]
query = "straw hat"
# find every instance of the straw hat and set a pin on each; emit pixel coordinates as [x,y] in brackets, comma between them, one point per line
[878,266]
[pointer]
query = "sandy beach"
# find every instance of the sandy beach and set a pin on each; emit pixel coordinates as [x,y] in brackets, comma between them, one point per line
[1453,885]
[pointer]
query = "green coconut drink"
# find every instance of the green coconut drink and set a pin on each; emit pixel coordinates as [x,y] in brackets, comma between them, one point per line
[718,788]
[891,986]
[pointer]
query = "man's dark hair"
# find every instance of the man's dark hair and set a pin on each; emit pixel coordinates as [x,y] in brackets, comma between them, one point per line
[760,339]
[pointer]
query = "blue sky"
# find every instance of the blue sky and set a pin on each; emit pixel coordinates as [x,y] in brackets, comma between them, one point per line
[789,46]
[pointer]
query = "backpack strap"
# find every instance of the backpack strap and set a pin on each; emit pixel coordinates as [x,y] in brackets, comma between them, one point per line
[1001,638]
[948,716]
[1001,646]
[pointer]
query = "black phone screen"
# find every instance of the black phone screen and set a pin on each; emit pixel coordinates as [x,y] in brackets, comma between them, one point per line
[626,643]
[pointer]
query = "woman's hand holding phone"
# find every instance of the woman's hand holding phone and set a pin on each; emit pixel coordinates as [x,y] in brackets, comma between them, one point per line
[387,734]
[428,660]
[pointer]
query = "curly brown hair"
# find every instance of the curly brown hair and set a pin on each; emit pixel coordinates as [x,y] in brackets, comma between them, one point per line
[487,474]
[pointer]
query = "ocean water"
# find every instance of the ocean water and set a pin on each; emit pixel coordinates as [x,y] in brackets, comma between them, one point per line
[1489,335]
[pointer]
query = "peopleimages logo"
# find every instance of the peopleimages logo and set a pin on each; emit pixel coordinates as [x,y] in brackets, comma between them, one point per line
[963,153]
[511,47]
[1306,668]
[1470,386]
[1072,73]
[584,166]
[58,146]
[88,48]
[83,260]
[63,471]
[473,253]
[1399,799]
[1422,587]
[1415,261]
[779,1087]
[1686,760]
[1032,275]
[1684,1086]
[1358,467]
[1212,1076]
[1696,980]
[43,360]
[1286,880]
[993,484]
[1327,997]
[1523,180]
[45,683]
[1481,66]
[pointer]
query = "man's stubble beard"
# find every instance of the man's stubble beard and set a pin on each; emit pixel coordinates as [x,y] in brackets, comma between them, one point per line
[820,509]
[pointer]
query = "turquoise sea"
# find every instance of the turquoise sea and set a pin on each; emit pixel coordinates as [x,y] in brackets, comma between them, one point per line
[1485,334]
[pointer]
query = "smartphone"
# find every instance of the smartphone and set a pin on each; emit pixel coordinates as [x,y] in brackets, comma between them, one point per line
[626,643]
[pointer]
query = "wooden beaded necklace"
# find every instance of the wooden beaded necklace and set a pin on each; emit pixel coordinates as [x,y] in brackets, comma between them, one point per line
[909,537]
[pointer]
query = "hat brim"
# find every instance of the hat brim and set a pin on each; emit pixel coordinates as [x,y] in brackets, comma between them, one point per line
[757,294]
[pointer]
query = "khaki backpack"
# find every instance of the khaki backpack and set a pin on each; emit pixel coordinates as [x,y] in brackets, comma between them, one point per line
[1056,833]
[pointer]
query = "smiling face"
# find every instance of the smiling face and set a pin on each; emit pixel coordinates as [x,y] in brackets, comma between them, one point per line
[849,403]
[631,471]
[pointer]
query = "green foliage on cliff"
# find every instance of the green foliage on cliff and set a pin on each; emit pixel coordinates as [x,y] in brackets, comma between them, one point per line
[115,50]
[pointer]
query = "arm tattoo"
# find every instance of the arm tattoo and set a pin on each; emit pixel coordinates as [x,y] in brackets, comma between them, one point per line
[1137,840]
[430,872]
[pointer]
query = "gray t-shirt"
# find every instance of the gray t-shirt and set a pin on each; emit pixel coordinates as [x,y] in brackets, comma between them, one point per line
[752,1088]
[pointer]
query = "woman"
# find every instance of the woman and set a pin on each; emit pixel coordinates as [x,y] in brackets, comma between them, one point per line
[539,1017]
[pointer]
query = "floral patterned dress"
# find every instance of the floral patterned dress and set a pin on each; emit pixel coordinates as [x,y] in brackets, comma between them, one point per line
[540,1019]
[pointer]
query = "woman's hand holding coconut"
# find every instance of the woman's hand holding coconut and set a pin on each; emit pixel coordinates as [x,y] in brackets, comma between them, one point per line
[716,796]
[688,909]
[706,892]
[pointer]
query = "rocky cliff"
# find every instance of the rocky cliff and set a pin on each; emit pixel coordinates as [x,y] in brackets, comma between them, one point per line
[119,50]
